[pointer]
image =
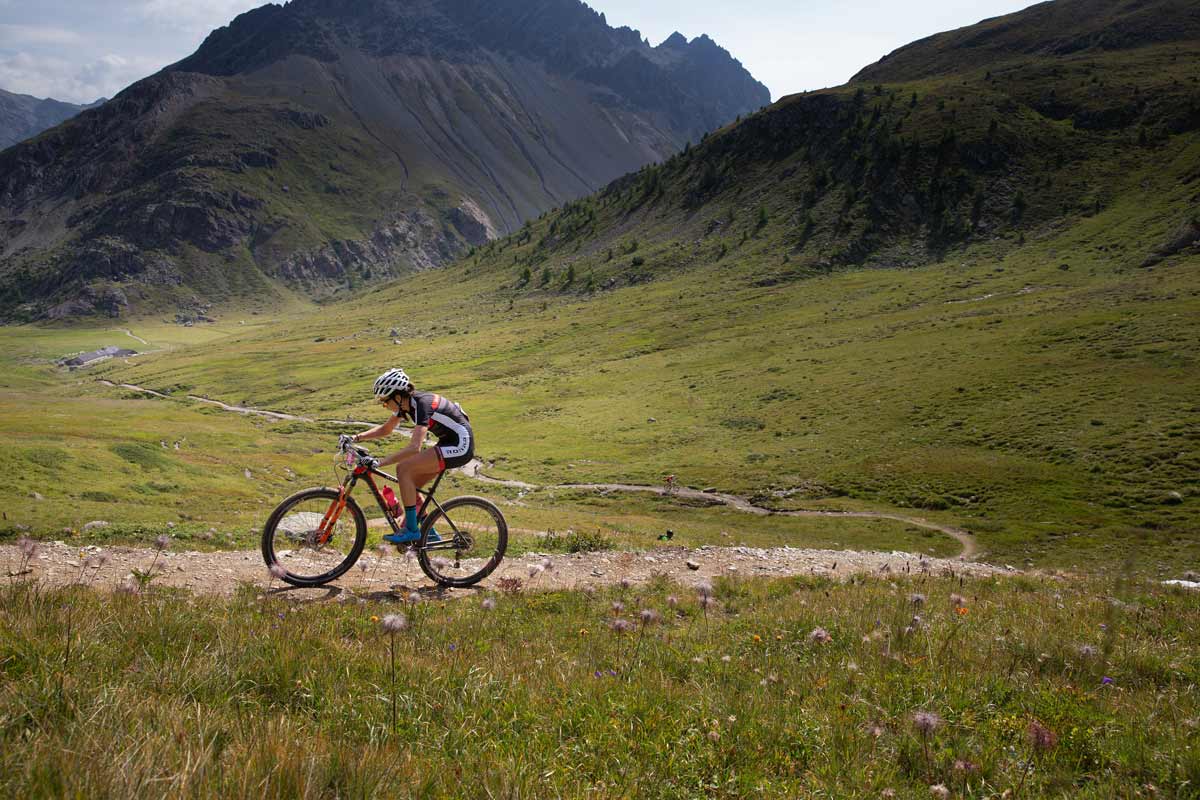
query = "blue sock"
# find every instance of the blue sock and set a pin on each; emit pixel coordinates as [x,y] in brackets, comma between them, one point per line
[410,518]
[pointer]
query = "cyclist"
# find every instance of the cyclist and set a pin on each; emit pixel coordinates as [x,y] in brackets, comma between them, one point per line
[416,467]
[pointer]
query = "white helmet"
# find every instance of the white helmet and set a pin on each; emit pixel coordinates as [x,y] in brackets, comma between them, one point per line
[390,382]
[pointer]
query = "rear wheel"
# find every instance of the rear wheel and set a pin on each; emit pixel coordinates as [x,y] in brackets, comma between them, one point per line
[290,538]
[463,541]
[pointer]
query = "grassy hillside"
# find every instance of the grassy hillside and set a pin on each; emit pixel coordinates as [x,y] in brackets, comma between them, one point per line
[778,689]
[973,295]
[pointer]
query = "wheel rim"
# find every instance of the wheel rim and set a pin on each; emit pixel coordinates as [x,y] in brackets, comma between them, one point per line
[295,545]
[472,541]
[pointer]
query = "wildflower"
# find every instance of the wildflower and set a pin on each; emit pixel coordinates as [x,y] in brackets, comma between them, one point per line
[1040,738]
[648,616]
[382,549]
[875,730]
[726,659]
[127,586]
[958,601]
[887,794]
[964,767]
[547,565]
[394,623]
[756,638]
[926,722]
[961,611]
[597,673]
[535,570]
[820,636]
[277,571]
[1106,681]
[714,736]
[620,626]
[707,602]
[162,542]
[672,601]
[917,599]
[96,561]
[704,589]
[28,547]
[440,563]
[625,583]
[374,618]
[618,607]
[1087,651]
[488,604]
[362,565]
[939,791]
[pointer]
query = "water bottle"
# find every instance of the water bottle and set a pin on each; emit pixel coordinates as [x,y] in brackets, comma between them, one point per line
[393,504]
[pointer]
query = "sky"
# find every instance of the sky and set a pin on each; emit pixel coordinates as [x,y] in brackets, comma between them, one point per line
[81,50]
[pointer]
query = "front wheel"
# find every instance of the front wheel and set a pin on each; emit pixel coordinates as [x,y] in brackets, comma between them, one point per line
[291,538]
[463,541]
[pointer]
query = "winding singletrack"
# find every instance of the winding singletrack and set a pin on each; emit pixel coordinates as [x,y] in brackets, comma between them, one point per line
[474,470]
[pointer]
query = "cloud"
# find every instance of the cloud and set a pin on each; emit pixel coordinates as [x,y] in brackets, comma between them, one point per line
[44,75]
[25,35]
[196,17]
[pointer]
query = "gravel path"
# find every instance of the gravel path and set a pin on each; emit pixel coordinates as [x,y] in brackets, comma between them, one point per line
[222,572]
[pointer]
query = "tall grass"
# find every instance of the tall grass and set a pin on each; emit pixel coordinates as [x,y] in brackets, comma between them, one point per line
[777,689]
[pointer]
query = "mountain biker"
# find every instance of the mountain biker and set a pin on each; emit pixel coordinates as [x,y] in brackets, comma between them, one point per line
[416,467]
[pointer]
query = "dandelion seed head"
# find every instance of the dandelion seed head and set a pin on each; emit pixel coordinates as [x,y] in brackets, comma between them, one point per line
[957,600]
[277,571]
[488,604]
[704,589]
[394,623]
[714,736]
[618,607]
[939,791]
[1040,738]
[1087,651]
[547,565]
[620,626]
[535,570]
[926,722]
[917,599]
[726,659]
[162,542]
[440,563]
[648,616]
[672,601]
[625,583]
[820,636]
[28,547]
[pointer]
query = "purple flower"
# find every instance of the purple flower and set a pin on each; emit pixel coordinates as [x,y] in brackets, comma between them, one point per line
[820,636]
[620,626]
[648,616]
[488,604]
[1040,737]
[672,601]
[926,722]
[618,607]
[598,673]
[1106,681]
[162,542]
[704,589]
[277,571]
[28,547]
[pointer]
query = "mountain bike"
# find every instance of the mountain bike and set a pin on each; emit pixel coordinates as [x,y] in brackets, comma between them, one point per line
[317,534]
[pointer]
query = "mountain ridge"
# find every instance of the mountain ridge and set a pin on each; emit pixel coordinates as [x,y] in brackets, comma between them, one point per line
[23,116]
[312,147]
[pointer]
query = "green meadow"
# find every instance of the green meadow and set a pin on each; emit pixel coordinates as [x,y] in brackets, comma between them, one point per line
[1013,687]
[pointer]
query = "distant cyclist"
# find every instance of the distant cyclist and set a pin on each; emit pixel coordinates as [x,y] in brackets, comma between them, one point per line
[416,467]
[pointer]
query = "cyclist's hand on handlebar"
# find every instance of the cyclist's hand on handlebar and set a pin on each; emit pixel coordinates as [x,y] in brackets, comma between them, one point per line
[345,441]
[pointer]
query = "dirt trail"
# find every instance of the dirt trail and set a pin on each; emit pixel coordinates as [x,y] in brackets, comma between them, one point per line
[223,572]
[475,470]
[964,538]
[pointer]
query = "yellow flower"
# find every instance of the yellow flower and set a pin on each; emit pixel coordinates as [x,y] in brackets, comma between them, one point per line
[583,632]
[961,611]
[374,618]
[757,638]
